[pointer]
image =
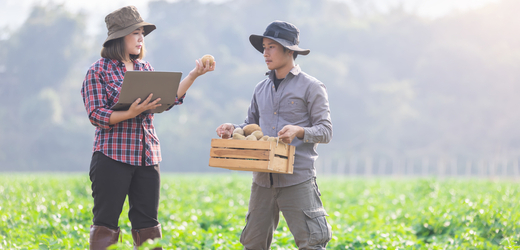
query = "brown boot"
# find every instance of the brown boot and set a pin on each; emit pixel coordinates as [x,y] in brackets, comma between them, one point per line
[143,234]
[101,237]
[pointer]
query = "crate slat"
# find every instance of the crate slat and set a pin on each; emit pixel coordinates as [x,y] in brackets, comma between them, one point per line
[226,143]
[237,153]
[240,164]
[280,165]
[282,149]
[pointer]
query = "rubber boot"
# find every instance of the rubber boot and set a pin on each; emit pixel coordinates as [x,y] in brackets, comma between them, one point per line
[101,237]
[143,234]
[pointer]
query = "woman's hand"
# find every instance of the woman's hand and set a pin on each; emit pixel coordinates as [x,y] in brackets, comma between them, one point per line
[196,72]
[201,69]
[134,110]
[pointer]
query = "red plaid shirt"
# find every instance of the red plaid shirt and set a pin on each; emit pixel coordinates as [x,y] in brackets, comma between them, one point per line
[122,141]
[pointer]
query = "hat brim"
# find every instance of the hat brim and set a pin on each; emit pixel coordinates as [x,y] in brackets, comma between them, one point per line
[148,27]
[257,40]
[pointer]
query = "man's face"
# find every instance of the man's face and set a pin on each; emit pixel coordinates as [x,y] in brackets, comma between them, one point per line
[274,55]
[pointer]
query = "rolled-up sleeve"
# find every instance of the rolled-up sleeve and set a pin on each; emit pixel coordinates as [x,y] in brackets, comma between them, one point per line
[95,99]
[318,108]
[178,101]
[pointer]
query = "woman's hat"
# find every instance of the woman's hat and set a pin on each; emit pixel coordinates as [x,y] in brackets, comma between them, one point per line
[124,21]
[284,33]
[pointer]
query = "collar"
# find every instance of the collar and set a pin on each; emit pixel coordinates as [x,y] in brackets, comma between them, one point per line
[295,71]
[137,63]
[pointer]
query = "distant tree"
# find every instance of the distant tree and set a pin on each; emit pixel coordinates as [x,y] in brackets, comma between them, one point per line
[36,60]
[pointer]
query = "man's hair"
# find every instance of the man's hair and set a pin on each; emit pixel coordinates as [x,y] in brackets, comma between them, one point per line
[115,49]
[294,55]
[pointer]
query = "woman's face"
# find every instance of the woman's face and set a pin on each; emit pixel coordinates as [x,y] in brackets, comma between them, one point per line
[134,42]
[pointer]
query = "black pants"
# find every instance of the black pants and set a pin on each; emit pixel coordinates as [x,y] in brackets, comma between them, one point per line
[112,181]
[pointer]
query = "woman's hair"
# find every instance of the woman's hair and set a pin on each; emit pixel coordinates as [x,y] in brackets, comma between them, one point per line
[115,49]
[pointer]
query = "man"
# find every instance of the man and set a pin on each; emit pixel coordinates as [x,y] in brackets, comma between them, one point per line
[294,106]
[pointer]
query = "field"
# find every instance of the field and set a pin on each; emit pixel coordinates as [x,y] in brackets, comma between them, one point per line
[53,211]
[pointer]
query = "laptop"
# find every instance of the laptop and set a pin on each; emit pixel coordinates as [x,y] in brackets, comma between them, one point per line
[139,84]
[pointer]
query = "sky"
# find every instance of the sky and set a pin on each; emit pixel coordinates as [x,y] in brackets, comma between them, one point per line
[14,12]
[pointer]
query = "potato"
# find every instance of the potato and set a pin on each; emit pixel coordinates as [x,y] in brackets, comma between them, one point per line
[238,137]
[264,138]
[207,58]
[275,139]
[250,128]
[251,138]
[238,131]
[258,134]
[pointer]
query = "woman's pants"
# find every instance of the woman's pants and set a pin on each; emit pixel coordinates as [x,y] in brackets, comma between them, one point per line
[112,181]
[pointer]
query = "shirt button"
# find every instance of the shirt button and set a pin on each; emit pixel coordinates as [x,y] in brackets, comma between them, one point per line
[292,102]
[273,127]
[275,113]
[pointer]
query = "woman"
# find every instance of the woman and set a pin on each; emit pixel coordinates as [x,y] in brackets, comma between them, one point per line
[126,148]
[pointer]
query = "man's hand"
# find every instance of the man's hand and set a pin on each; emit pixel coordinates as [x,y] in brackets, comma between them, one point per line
[288,133]
[225,130]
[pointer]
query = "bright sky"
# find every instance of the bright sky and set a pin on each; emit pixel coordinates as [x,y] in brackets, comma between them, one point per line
[14,12]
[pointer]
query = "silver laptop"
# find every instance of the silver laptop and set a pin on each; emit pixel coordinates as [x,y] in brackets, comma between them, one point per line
[139,84]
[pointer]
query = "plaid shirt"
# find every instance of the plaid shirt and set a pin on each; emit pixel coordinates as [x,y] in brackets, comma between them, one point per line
[122,141]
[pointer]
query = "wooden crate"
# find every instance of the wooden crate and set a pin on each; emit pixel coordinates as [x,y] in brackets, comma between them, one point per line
[257,156]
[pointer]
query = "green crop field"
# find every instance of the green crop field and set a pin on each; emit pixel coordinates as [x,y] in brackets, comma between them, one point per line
[53,211]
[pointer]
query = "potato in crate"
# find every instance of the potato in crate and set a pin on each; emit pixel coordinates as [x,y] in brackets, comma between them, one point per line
[256,156]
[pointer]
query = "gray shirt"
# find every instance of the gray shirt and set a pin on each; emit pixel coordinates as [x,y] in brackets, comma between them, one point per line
[300,100]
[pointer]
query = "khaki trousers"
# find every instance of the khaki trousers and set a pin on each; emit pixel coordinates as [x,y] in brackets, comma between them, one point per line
[302,209]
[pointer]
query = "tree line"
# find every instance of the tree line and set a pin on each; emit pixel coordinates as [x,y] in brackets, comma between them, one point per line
[400,85]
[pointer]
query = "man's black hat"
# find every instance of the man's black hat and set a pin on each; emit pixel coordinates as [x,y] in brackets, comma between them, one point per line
[282,32]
